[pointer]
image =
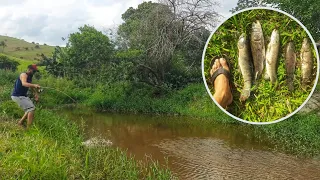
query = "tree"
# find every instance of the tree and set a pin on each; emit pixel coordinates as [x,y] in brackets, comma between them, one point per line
[3,44]
[308,12]
[163,33]
[52,64]
[86,54]
[242,4]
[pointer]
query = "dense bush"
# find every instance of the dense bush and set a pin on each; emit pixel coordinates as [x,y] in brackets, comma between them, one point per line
[7,63]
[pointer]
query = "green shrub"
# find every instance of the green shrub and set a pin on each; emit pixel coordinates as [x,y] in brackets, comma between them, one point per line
[7,63]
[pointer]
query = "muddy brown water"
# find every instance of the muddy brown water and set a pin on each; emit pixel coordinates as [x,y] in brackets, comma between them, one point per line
[218,152]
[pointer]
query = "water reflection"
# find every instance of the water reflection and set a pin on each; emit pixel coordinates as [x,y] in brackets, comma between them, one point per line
[220,152]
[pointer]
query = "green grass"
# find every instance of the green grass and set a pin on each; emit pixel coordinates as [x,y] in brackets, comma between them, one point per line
[31,54]
[298,134]
[52,149]
[267,102]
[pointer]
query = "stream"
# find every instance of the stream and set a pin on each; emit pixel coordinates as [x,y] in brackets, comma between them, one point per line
[218,152]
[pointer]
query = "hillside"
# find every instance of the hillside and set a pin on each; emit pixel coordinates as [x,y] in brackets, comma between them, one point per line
[24,50]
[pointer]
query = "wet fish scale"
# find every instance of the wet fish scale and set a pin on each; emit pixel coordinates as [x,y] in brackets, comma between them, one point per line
[290,64]
[306,62]
[272,57]
[257,49]
[245,66]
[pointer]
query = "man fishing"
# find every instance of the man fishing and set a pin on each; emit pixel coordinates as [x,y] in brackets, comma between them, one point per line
[19,94]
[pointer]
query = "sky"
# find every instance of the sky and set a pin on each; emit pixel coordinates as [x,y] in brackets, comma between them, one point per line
[47,21]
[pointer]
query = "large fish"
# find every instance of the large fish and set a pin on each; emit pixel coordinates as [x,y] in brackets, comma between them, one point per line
[290,64]
[272,57]
[306,62]
[258,49]
[245,66]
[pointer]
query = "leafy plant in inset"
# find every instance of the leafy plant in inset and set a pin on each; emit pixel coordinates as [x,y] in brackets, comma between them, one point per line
[308,13]
[267,102]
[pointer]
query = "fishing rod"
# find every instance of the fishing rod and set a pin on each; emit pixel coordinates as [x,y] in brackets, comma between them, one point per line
[43,87]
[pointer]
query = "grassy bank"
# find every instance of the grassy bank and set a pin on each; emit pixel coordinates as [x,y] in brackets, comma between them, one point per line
[52,149]
[298,134]
[125,97]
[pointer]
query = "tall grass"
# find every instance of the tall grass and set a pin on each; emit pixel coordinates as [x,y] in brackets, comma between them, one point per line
[267,102]
[298,134]
[52,149]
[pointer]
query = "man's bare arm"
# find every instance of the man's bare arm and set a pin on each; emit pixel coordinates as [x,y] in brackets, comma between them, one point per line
[23,78]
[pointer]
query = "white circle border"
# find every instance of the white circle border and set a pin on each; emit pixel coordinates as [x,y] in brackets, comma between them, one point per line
[285,117]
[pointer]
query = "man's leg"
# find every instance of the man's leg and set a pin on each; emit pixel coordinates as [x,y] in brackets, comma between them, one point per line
[26,104]
[30,118]
[23,118]
[29,109]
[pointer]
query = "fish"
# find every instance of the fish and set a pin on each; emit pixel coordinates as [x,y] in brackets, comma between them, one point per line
[245,64]
[257,49]
[272,57]
[290,61]
[306,62]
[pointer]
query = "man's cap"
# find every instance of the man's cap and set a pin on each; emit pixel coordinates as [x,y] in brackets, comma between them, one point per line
[33,67]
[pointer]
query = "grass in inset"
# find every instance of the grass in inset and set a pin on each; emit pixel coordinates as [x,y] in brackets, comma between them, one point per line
[267,102]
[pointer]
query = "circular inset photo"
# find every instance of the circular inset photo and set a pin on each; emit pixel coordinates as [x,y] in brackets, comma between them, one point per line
[260,66]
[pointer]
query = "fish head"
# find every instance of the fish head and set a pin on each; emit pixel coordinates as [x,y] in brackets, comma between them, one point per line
[256,31]
[290,47]
[256,26]
[305,44]
[242,41]
[275,37]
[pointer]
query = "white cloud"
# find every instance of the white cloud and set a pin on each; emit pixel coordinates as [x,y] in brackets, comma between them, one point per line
[226,6]
[47,21]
